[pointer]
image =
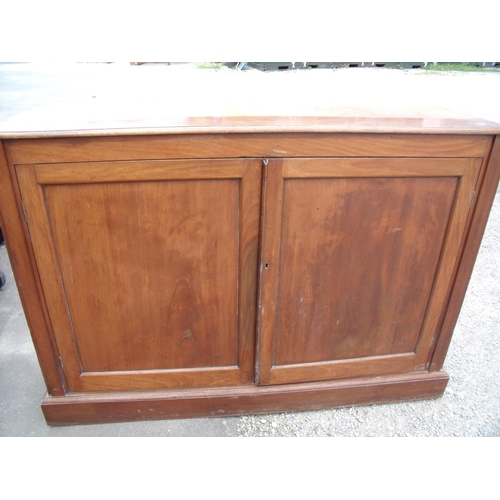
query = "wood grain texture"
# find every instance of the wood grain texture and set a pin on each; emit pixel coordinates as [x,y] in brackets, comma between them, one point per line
[448,260]
[356,121]
[26,280]
[486,191]
[137,101]
[250,175]
[160,278]
[50,277]
[364,263]
[277,145]
[250,214]
[269,267]
[161,379]
[310,168]
[85,173]
[368,366]
[99,408]
[143,268]
[155,275]
[357,265]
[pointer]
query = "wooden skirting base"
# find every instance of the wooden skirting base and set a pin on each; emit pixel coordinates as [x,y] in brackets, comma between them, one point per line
[90,408]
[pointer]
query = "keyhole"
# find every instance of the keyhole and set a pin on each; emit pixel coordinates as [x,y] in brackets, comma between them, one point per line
[267,265]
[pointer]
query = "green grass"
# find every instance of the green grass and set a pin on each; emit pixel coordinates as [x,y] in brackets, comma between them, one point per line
[457,67]
[209,66]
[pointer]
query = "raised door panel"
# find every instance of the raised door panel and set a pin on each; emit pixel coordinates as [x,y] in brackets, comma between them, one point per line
[148,269]
[357,259]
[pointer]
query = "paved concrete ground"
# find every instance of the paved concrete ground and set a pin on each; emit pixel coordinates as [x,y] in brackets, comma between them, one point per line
[471,404]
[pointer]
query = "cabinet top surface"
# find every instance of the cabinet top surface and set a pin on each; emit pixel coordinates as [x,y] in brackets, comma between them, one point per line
[105,100]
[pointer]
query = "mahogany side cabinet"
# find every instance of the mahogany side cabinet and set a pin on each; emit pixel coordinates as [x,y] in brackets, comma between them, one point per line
[227,272]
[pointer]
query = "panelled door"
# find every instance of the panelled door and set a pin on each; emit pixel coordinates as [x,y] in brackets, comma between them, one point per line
[148,269]
[357,259]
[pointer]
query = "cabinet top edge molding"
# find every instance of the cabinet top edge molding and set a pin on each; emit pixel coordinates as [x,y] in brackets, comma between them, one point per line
[47,126]
[95,100]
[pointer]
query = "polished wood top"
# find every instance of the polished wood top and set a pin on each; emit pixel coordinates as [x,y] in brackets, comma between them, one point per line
[107,100]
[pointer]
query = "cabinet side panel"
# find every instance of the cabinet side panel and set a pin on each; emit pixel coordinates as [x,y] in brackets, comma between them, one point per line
[483,202]
[26,279]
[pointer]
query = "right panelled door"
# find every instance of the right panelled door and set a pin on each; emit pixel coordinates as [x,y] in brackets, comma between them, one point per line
[357,260]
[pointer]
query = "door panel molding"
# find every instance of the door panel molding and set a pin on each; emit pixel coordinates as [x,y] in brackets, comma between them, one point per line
[452,199]
[34,179]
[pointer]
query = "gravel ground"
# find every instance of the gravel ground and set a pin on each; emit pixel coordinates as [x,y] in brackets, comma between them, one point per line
[471,403]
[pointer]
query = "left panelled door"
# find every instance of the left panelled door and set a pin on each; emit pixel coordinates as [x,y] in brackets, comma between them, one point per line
[148,269]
